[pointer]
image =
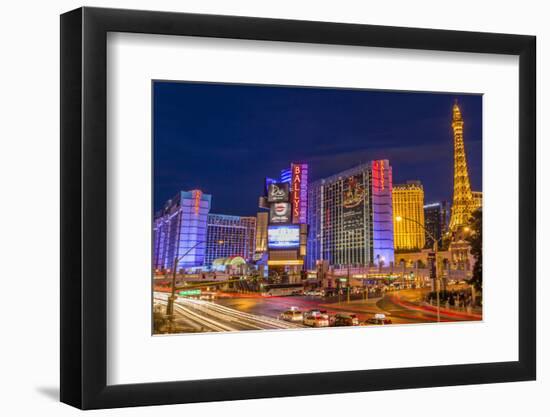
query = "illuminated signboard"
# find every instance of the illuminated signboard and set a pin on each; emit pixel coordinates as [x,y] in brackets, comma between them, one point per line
[283,237]
[299,192]
[187,293]
[382,175]
[379,173]
[279,213]
[197,195]
[278,192]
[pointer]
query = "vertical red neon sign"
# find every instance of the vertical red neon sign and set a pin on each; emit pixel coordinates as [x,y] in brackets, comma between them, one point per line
[382,175]
[296,192]
[197,197]
[378,168]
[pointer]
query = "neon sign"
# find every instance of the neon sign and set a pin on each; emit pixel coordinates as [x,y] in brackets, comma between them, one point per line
[378,174]
[296,188]
[382,174]
[197,195]
[299,175]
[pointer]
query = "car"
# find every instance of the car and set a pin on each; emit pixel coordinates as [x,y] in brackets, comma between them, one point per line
[379,319]
[293,315]
[316,318]
[345,320]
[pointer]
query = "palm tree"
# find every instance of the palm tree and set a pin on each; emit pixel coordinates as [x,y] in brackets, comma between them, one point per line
[475,240]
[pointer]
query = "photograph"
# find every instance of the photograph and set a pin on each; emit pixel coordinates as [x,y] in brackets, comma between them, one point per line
[291,207]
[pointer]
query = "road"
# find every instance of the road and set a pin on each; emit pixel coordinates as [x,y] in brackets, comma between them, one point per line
[236,312]
[402,307]
[210,317]
[273,306]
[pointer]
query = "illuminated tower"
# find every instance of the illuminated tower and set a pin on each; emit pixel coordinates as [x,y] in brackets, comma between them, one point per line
[463,201]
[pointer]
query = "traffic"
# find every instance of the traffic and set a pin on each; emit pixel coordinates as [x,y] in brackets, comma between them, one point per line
[321,318]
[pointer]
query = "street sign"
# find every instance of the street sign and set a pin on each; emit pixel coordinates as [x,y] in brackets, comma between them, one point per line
[186,293]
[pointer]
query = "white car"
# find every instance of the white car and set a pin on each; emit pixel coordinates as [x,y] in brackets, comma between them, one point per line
[316,318]
[379,319]
[293,315]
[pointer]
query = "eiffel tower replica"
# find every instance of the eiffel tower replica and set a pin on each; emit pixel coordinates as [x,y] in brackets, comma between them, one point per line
[463,201]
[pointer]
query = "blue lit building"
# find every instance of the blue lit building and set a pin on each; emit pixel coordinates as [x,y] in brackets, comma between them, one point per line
[180,231]
[350,217]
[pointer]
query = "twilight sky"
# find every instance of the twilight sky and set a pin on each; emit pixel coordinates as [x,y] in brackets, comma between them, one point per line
[224,139]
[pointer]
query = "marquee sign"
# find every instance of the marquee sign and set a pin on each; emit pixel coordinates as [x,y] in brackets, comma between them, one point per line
[277,192]
[279,213]
[283,237]
[299,192]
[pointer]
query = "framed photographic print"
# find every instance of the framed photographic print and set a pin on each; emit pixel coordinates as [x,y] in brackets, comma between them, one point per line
[257,208]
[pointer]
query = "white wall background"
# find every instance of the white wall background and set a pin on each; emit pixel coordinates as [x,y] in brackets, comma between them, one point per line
[29,172]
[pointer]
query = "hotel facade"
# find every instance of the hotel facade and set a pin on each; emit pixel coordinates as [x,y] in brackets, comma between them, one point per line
[408,212]
[179,231]
[230,236]
[350,217]
[435,219]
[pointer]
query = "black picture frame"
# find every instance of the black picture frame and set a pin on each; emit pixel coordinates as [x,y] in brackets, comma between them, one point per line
[84,207]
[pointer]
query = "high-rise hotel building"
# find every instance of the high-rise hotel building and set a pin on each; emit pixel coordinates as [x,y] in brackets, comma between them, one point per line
[350,217]
[408,212]
[179,231]
[229,236]
[435,221]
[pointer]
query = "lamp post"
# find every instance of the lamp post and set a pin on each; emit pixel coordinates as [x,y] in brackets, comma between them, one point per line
[348,283]
[437,283]
[172,298]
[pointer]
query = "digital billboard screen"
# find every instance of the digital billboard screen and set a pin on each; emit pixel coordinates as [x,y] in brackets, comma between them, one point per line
[279,213]
[278,192]
[283,237]
[353,203]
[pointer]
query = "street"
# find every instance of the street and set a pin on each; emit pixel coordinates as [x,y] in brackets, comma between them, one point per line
[238,311]
[205,316]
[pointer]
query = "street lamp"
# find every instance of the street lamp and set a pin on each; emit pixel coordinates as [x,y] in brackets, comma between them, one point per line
[172,298]
[437,282]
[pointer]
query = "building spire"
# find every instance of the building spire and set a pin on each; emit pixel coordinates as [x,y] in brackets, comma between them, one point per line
[463,202]
[457,115]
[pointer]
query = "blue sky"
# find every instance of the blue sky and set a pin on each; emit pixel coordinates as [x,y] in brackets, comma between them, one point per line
[225,138]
